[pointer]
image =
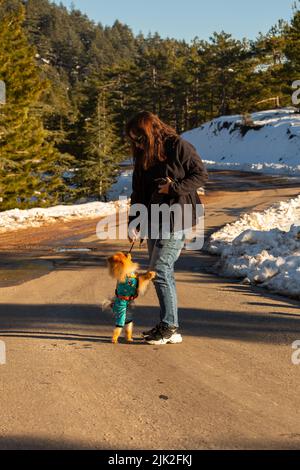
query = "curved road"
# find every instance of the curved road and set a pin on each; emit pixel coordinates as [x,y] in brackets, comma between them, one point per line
[230,385]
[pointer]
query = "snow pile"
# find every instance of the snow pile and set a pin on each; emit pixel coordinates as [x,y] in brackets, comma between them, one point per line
[266,142]
[16,219]
[263,248]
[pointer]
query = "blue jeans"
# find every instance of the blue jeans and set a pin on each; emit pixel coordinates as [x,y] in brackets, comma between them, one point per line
[163,254]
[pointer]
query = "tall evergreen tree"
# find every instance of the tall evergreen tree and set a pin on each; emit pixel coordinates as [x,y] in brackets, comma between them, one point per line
[292,47]
[99,168]
[29,164]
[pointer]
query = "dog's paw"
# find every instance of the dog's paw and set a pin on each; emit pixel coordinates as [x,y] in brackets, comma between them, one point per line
[150,275]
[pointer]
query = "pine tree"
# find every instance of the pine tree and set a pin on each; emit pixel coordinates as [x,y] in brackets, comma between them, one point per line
[292,48]
[29,164]
[99,169]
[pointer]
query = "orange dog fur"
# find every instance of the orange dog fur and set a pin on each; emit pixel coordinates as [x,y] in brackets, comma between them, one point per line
[121,268]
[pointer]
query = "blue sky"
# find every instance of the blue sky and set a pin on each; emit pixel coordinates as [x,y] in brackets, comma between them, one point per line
[186,19]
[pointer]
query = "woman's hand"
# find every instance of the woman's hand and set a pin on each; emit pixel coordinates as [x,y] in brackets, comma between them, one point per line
[133,235]
[164,188]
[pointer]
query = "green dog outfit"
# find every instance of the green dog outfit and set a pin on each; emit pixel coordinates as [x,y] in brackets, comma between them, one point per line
[125,293]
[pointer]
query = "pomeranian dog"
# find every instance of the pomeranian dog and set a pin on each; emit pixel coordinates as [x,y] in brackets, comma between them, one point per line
[129,286]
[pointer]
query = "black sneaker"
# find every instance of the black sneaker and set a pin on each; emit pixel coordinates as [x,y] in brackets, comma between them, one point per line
[150,332]
[164,334]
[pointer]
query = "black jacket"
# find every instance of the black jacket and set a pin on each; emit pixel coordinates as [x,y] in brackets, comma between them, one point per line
[183,165]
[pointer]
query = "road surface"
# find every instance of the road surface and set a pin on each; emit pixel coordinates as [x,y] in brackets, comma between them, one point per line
[230,385]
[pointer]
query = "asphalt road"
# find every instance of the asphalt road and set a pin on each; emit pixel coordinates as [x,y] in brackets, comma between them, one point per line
[230,385]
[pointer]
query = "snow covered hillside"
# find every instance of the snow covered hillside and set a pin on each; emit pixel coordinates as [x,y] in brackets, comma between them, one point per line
[268,142]
[263,248]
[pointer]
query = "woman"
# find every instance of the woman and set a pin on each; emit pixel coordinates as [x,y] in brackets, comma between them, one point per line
[167,169]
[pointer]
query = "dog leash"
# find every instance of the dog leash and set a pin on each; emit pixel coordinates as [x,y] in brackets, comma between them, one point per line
[142,241]
[131,248]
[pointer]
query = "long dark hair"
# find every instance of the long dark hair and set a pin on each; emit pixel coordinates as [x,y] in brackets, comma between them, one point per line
[147,130]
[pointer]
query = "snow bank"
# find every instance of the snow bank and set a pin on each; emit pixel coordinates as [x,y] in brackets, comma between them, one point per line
[263,248]
[16,219]
[268,144]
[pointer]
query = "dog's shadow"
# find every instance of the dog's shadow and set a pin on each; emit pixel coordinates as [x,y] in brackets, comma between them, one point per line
[135,342]
[74,337]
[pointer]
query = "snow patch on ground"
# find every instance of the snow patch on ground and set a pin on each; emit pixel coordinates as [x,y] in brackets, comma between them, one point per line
[270,144]
[263,248]
[17,219]
[73,250]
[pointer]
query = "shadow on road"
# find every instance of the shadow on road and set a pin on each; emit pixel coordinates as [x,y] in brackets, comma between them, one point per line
[19,442]
[86,323]
[240,181]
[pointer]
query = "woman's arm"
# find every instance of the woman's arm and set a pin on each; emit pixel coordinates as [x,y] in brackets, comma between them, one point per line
[195,172]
